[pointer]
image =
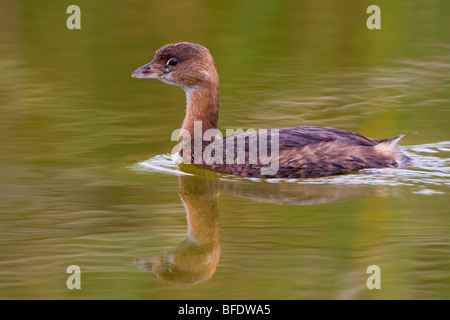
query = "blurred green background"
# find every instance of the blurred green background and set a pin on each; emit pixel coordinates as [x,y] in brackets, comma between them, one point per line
[73,121]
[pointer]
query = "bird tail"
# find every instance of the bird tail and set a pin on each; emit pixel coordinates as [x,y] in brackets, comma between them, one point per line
[389,146]
[392,141]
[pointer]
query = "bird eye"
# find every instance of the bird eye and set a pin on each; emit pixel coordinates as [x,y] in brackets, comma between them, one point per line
[172,62]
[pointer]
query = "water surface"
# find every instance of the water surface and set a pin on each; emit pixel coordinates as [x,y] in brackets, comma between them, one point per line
[87,177]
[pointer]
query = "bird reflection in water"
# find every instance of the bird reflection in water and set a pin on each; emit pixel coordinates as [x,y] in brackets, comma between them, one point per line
[196,258]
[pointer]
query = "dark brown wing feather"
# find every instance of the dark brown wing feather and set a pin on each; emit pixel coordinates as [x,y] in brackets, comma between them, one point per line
[307,151]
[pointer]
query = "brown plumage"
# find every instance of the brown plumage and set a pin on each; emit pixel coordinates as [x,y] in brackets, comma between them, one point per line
[306,152]
[302,152]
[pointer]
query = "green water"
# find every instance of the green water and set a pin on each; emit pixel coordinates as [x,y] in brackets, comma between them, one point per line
[87,178]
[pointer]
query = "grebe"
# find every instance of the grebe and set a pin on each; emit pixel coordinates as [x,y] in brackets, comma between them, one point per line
[302,152]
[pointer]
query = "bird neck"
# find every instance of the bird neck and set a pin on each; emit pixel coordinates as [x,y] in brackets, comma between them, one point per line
[202,104]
